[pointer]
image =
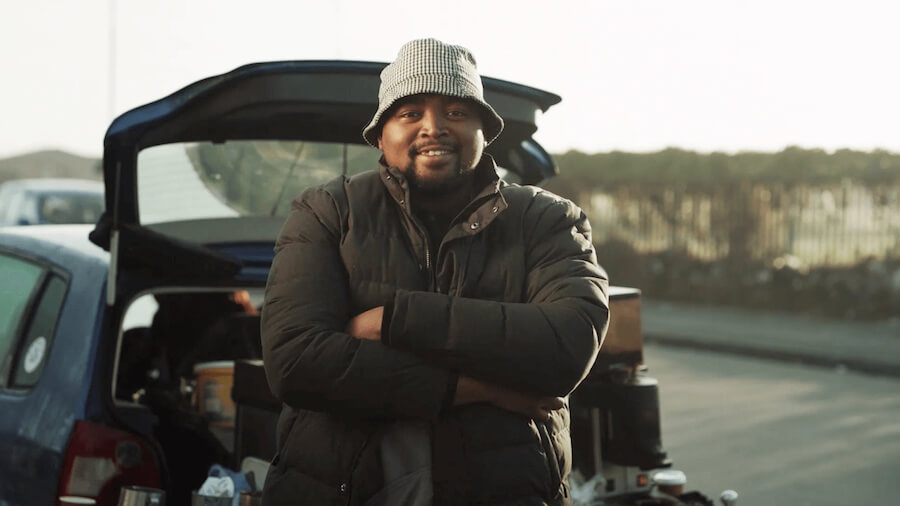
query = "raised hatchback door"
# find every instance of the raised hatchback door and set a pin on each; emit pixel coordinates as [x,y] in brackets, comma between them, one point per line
[216,164]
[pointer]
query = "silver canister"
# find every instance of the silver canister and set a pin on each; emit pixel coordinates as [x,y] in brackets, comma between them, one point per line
[132,495]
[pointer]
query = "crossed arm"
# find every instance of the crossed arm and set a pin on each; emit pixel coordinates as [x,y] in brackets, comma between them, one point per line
[368,324]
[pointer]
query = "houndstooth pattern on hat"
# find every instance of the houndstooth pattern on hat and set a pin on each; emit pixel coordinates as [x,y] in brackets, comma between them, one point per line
[431,66]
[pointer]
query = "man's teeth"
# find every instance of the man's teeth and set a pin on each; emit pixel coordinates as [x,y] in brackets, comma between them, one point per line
[434,152]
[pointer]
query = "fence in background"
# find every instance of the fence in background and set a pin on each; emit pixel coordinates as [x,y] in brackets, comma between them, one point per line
[802,225]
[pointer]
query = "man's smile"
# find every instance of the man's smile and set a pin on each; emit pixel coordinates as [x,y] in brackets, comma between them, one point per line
[433,150]
[434,154]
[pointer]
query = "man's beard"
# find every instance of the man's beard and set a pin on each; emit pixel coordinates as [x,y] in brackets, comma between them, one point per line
[456,179]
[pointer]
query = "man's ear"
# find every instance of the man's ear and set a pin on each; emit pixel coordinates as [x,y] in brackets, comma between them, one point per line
[379,143]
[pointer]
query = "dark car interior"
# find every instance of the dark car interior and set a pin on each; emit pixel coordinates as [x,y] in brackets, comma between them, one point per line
[157,370]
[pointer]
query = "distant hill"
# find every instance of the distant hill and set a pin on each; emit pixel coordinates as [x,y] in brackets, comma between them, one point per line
[52,163]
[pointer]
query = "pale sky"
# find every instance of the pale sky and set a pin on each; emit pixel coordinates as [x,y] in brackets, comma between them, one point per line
[634,75]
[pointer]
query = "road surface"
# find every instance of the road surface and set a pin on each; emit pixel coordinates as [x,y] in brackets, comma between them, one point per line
[779,434]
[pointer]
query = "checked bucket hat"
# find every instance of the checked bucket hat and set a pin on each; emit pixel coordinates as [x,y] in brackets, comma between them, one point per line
[431,66]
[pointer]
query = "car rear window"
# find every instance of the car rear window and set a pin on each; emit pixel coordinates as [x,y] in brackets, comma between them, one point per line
[191,181]
[70,208]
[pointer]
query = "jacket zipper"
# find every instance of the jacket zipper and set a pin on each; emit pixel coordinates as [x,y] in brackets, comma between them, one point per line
[427,241]
[432,282]
[346,488]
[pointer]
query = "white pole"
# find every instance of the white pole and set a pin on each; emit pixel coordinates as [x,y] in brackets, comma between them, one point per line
[337,29]
[112,60]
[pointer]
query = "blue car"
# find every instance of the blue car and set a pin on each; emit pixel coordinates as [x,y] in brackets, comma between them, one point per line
[129,349]
[50,201]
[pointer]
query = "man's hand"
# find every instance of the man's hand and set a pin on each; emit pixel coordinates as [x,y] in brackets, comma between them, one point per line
[469,390]
[538,408]
[367,325]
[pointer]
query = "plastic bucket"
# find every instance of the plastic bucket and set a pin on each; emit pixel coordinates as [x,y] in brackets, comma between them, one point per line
[213,392]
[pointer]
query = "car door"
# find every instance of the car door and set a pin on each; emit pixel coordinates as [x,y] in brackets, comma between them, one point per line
[31,300]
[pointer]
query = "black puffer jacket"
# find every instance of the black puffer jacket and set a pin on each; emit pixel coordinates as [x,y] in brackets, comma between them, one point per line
[514,296]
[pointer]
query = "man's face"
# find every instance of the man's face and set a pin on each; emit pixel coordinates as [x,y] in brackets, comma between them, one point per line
[435,140]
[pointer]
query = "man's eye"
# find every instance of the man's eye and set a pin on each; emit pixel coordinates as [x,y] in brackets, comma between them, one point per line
[408,114]
[457,114]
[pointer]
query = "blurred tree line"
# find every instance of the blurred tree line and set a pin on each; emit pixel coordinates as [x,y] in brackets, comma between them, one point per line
[673,165]
[50,163]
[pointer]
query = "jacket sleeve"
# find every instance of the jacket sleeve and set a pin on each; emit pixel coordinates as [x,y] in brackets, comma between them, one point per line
[310,362]
[544,345]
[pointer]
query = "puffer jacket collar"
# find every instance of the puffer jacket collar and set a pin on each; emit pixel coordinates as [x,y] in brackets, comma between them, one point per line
[476,216]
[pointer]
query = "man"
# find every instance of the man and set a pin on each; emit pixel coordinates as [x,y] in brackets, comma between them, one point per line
[424,323]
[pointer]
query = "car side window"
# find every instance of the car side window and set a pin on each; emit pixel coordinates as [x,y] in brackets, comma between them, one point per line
[35,347]
[20,281]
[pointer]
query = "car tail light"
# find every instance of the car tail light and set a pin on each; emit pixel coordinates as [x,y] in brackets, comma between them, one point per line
[100,460]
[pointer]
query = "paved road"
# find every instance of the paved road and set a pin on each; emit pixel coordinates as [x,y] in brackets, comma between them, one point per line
[872,347]
[779,433]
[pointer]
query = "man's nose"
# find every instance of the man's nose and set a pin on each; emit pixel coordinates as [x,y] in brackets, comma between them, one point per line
[434,123]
